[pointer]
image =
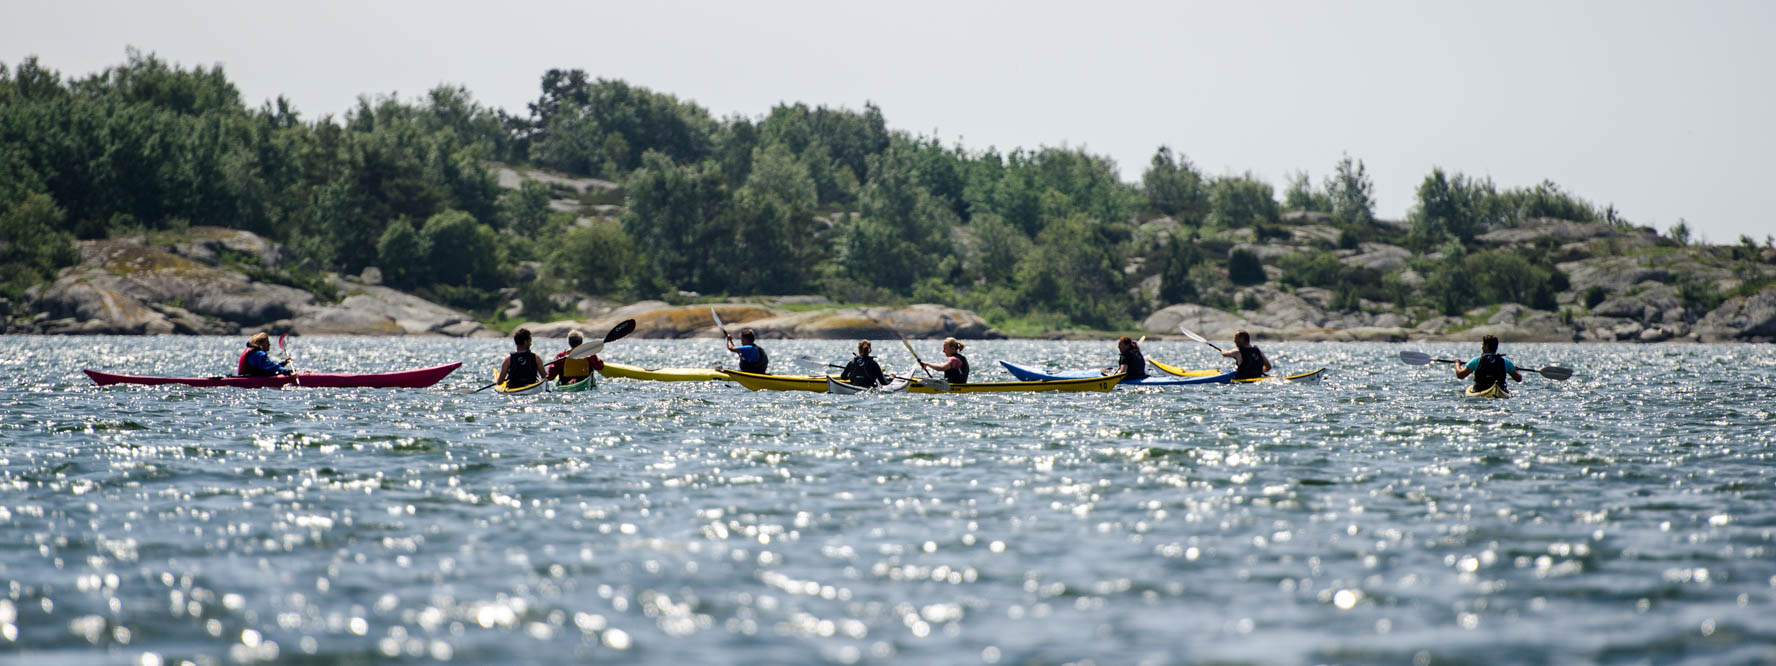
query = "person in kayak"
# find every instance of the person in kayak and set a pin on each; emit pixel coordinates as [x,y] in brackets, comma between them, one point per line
[863,369]
[1490,368]
[568,372]
[256,360]
[955,368]
[522,367]
[752,357]
[1130,363]
[1252,362]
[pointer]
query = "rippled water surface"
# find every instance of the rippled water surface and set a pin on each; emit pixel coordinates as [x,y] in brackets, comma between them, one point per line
[1626,515]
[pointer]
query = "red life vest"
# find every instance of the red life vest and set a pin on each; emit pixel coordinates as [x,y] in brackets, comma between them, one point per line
[240,367]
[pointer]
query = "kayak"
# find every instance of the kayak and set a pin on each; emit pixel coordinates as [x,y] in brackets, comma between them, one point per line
[818,384]
[540,386]
[1029,374]
[590,382]
[754,381]
[1495,391]
[420,378]
[1103,383]
[627,371]
[833,385]
[1182,372]
[1309,376]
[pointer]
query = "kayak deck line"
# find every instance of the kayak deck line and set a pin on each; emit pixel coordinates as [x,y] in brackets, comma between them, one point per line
[1029,374]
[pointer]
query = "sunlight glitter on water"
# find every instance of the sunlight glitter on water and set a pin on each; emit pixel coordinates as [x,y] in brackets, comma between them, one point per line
[1621,515]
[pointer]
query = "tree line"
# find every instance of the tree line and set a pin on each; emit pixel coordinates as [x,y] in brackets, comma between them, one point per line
[801,200]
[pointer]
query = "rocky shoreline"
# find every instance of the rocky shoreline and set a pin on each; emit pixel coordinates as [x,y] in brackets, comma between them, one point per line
[205,281]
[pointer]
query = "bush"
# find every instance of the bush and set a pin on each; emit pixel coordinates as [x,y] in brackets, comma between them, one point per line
[1243,268]
[31,246]
[1595,296]
[462,251]
[1313,269]
[599,259]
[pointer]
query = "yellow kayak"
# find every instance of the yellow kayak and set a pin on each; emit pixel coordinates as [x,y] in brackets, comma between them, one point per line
[1181,372]
[540,386]
[817,384]
[1103,384]
[1496,391]
[627,371]
[756,382]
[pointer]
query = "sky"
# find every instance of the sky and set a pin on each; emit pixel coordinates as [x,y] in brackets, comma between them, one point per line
[1661,108]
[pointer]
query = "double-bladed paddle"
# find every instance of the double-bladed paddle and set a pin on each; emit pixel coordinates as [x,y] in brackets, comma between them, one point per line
[1192,335]
[718,321]
[286,351]
[623,328]
[936,384]
[1553,372]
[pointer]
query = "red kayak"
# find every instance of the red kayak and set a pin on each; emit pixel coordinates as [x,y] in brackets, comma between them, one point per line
[420,378]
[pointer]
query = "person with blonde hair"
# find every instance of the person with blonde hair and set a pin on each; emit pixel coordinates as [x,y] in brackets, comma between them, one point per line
[568,372]
[863,369]
[256,360]
[955,368]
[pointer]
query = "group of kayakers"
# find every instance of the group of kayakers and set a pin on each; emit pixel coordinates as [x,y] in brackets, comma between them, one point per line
[523,367]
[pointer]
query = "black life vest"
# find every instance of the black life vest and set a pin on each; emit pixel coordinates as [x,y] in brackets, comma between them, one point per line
[1251,363]
[1489,372]
[1134,362]
[758,366]
[957,375]
[863,371]
[522,370]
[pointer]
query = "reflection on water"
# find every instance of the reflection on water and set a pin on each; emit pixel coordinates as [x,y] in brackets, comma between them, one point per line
[1628,514]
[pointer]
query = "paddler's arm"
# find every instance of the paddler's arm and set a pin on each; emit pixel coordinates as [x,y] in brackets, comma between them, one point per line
[1231,353]
[505,365]
[1514,373]
[1462,370]
[731,346]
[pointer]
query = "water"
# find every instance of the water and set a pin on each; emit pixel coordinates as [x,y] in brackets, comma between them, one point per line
[1626,515]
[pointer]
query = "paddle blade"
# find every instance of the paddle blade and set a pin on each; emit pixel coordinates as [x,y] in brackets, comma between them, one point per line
[810,363]
[938,385]
[586,349]
[1415,358]
[1556,373]
[718,320]
[1192,335]
[621,330]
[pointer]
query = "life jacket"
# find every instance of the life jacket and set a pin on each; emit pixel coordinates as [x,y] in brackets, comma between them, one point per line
[522,370]
[1135,362]
[244,370]
[957,375]
[1489,372]
[863,371]
[575,369]
[759,366]
[1251,363]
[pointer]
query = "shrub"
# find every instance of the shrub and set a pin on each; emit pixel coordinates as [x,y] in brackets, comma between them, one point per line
[1243,268]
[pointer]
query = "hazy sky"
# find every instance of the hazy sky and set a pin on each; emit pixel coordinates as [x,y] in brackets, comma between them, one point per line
[1666,109]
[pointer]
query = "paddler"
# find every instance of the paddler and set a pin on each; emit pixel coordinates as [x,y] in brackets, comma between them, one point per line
[1489,368]
[256,360]
[955,368]
[752,357]
[1129,361]
[863,369]
[569,373]
[522,367]
[1252,362]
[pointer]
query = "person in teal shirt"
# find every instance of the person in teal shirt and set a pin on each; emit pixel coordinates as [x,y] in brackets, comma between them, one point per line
[1489,368]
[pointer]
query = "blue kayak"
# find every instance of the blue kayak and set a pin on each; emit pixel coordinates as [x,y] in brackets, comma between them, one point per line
[1029,374]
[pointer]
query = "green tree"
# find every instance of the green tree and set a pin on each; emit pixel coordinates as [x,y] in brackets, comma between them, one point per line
[1241,201]
[1073,272]
[1175,285]
[526,209]
[403,256]
[1300,195]
[1351,192]
[1174,187]
[1243,268]
[463,252]
[598,259]
[1457,207]
[32,245]
[678,216]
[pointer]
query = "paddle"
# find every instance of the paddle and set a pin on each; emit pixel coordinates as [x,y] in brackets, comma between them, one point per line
[806,362]
[936,384]
[622,329]
[718,321]
[286,351]
[1553,372]
[1192,335]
